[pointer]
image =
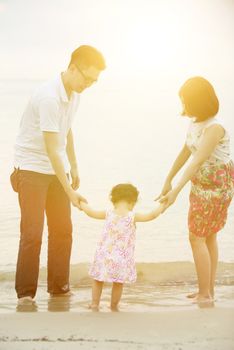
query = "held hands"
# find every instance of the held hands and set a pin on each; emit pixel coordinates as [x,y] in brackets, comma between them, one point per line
[167,197]
[162,207]
[76,198]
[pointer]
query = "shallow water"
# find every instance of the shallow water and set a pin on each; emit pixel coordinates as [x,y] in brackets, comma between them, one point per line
[139,297]
[159,286]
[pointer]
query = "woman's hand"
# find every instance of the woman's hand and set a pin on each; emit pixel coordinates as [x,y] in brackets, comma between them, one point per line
[169,198]
[166,188]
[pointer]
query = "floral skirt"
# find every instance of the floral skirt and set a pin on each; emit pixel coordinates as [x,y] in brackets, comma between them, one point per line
[211,193]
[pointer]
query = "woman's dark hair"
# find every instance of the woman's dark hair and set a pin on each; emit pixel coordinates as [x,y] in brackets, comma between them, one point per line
[125,192]
[199,98]
[86,56]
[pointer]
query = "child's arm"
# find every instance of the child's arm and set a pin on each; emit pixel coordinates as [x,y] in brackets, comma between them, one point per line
[149,216]
[96,214]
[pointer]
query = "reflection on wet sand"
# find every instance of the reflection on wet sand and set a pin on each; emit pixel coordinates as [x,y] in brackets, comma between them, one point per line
[27,308]
[59,303]
[206,304]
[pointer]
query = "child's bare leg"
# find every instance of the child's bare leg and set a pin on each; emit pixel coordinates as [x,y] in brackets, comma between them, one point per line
[96,294]
[212,246]
[203,265]
[116,294]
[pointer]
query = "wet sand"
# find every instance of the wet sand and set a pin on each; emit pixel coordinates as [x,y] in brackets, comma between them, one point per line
[155,314]
[201,328]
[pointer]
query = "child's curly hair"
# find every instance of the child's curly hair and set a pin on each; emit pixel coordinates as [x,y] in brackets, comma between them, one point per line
[125,192]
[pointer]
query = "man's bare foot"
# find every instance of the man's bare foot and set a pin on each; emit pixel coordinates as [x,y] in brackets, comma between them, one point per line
[93,307]
[28,300]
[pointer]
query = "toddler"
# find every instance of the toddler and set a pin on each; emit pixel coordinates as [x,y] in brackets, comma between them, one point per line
[114,257]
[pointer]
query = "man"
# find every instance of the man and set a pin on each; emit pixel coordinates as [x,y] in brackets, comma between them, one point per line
[44,155]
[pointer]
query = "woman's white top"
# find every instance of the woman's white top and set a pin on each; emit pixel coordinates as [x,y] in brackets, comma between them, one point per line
[221,153]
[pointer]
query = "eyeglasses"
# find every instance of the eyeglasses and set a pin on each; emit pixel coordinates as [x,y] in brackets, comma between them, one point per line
[88,80]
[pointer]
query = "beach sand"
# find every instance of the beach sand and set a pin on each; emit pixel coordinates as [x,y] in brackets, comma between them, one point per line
[201,328]
[155,313]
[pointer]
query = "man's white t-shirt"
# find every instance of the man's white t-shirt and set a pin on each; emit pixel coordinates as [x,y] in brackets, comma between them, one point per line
[49,109]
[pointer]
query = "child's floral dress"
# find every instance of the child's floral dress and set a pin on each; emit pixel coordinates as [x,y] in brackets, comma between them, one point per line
[114,257]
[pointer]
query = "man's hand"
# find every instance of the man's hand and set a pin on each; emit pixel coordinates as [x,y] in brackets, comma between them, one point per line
[75,178]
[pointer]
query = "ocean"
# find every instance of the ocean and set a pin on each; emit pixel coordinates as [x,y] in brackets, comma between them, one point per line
[122,134]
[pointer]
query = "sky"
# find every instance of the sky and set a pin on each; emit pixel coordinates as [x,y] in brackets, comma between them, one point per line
[151,40]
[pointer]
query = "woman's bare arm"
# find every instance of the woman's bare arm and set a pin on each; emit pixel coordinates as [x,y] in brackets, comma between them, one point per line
[181,159]
[210,140]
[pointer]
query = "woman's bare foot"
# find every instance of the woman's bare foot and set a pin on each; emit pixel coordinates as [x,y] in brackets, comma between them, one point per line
[196,294]
[114,308]
[192,295]
[93,307]
[202,299]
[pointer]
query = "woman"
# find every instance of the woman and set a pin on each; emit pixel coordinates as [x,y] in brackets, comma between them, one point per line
[211,172]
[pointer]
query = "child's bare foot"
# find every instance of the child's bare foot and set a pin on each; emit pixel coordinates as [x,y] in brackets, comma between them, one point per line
[93,307]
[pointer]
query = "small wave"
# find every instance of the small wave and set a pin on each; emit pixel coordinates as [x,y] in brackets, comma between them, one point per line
[165,273]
